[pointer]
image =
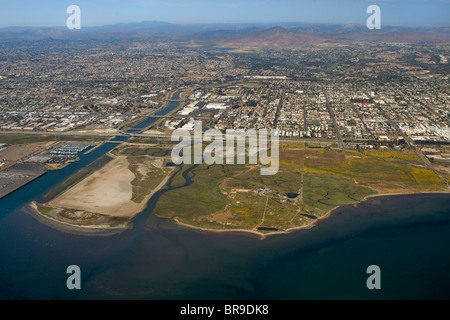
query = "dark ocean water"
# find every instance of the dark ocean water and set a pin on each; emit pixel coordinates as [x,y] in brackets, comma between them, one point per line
[408,237]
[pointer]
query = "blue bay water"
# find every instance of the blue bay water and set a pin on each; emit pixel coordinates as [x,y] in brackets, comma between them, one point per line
[407,236]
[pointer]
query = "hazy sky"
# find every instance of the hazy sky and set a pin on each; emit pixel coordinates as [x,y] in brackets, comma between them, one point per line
[102,12]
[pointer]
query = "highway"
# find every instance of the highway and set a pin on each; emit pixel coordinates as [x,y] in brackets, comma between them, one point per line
[151,135]
[333,119]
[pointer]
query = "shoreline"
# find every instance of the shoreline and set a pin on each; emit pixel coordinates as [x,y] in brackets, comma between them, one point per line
[62,226]
[108,230]
[308,226]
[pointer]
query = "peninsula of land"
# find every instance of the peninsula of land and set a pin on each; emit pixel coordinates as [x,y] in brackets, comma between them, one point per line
[310,184]
[111,196]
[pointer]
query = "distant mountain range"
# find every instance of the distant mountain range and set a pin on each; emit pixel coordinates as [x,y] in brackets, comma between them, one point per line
[233,35]
[273,37]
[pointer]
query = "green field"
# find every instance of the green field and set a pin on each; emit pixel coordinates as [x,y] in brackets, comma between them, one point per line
[324,193]
[383,171]
[238,197]
[203,197]
[228,198]
[148,173]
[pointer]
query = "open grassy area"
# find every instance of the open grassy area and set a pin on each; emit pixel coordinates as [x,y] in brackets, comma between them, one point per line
[24,138]
[149,173]
[383,171]
[241,198]
[322,194]
[310,182]
[178,179]
[203,197]
[148,166]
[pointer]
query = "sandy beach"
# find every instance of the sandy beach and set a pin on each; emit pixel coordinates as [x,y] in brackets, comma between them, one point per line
[107,191]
